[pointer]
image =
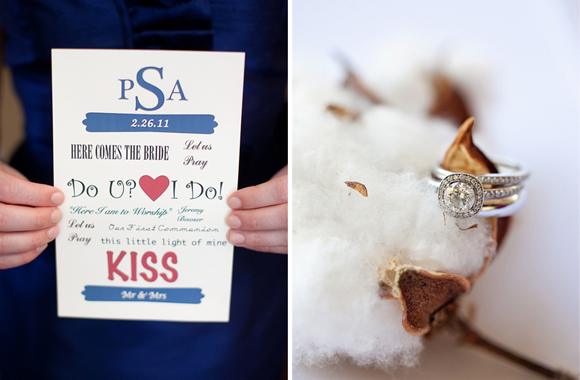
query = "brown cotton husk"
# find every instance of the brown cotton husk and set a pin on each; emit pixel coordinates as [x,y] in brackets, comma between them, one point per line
[422,294]
[449,102]
[464,157]
[442,318]
[358,187]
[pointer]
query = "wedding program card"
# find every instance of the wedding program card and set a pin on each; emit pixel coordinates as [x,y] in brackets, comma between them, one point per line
[146,147]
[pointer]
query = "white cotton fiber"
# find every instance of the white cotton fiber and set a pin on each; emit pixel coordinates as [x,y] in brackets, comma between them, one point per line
[340,238]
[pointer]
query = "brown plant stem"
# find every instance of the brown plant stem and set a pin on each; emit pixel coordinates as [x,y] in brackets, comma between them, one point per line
[470,336]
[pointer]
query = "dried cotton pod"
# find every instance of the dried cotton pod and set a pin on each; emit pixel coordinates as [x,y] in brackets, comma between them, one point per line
[422,293]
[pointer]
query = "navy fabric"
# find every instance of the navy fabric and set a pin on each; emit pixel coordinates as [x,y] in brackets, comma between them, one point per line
[34,343]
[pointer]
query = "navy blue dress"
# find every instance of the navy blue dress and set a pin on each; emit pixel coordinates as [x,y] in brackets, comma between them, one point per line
[34,343]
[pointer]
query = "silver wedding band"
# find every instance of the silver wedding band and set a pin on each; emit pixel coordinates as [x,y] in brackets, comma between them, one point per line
[511,173]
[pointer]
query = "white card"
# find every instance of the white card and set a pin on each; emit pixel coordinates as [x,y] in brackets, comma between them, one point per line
[146,149]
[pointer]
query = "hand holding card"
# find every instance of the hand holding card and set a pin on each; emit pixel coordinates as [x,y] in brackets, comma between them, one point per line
[29,217]
[260,218]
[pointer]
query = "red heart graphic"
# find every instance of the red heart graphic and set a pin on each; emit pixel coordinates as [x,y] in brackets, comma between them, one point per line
[154,187]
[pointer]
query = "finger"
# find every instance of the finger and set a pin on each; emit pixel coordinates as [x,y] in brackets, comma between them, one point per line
[23,218]
[270,193]
[278,238]
[18,242]
[10,170]
[283,250]
[18,259]
[21,192]
[282,171]
[265,218]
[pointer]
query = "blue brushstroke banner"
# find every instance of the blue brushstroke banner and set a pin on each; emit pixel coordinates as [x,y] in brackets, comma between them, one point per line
[127,294]
[120,122]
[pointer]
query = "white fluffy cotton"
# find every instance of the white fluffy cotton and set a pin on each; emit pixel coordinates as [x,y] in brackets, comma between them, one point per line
[340,238]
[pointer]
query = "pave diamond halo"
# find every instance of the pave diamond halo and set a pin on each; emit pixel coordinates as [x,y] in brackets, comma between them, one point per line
[461,195]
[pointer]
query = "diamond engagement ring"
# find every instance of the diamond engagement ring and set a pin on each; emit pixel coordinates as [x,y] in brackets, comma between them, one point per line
[463,195]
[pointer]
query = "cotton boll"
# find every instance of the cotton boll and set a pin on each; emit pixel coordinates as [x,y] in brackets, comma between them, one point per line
[341,239]
[337,253]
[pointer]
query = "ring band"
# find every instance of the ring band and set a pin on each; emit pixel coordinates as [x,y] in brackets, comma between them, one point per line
[513,173]
[503,211]
[501,201]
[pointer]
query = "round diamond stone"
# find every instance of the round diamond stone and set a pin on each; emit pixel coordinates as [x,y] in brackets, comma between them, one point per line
[459,197]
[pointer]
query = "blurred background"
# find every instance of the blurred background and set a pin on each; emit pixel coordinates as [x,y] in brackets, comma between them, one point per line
[11,116]
[528,300]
